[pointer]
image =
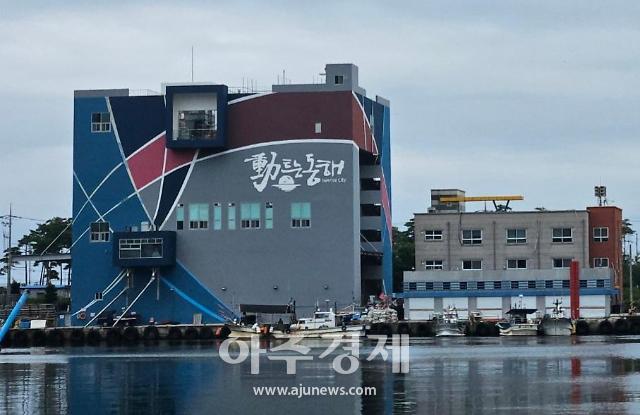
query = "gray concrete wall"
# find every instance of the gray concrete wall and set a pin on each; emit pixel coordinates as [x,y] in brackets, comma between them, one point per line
[348,71]
[309,265]
[494,250]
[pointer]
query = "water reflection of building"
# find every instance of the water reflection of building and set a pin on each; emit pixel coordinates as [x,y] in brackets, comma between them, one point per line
[197,381]
[28,388]
[510,381]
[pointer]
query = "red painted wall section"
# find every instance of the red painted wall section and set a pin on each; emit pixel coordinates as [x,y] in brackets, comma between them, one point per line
[608,217]
[146,165]
[293,115]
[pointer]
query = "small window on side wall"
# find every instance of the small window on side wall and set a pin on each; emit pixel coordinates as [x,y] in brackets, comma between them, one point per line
[338,79]
[180,217]
[99,232]
[100,122]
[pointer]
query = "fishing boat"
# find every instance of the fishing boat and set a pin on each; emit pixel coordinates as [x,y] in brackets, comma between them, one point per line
[556,324]
[447,324]
[321,326]
[518,323]
[239,331]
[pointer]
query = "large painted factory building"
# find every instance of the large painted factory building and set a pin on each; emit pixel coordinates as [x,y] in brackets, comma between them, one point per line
[192,202]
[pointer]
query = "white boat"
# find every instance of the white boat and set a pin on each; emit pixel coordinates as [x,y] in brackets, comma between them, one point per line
[321,326]
[556,324]
[518,323]
[245,332]
[447,324]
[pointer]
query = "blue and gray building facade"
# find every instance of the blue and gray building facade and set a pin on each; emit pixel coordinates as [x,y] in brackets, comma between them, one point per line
[193,201]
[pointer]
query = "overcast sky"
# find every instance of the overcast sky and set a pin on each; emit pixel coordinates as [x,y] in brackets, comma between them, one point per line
[534,98]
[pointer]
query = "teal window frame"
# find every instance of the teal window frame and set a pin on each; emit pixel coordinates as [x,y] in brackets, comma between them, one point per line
[250,215]
[217,217]
[300,215]
[231,216]
[268,215]
[198,216]
[180,217]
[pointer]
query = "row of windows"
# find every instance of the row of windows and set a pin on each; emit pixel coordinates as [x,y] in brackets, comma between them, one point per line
[250,215]
[500,285]
[516,236]
[140,248]
[516,263]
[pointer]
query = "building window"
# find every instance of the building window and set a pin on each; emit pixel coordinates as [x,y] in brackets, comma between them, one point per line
[548,284]
[268,215]
[433,264]
[562,262]
[98,296]
[99,232]
[471,236]
[516,236]
[196,125]
[100,122]
[318,128]
[301,215]
[600,234]
[497,285]
[433,235]
[140,248]
[250,215]
[514,285]
[217,217]
[516,264]
[446,285]
[600,283]
[413,286]
[565,284]
[338,79]
[180,217]
[531,284]
[601,262]
[480,285]
[472,265]
[198,216]
[428,285]
[231,216]
[562,235]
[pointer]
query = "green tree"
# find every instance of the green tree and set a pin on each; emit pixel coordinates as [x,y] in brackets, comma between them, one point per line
[15,287]
[403,253]
[51,237]
[50,294]
[15,251]
[626,228]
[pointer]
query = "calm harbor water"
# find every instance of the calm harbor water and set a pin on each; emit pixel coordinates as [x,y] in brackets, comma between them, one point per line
[462,375]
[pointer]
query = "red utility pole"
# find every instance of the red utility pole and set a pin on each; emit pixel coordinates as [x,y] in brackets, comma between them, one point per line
[574,289]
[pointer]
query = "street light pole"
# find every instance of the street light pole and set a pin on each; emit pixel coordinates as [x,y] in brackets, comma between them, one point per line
[630,277]
[9,259]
